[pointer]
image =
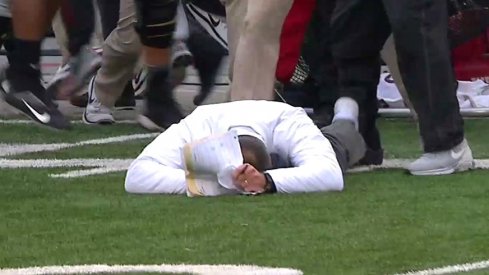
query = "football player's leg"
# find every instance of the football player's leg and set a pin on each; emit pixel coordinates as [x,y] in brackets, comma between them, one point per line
[155,26]
[25,92]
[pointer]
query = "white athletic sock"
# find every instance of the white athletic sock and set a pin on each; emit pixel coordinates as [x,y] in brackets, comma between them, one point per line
[346,108]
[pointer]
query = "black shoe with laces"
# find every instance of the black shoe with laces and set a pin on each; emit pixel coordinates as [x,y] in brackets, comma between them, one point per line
[374,154]
[25,93]
[372,157]
[161,110]
[158,117]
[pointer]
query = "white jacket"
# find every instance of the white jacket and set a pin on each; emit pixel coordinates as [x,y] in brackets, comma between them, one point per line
[287,131]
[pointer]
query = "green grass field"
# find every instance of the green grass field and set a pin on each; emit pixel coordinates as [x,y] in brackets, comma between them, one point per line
[385,222]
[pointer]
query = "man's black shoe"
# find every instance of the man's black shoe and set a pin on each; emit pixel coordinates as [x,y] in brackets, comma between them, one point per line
[159,116]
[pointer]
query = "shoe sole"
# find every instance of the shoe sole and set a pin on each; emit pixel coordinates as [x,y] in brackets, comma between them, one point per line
[125,108]
[100,122]
[461,167]
[148,124]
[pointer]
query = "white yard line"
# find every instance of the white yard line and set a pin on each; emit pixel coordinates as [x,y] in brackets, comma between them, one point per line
[451,269]
[27,121]
[90,172]
[103,166]
[165,268]
[98,166]
[17,149]
[60,163]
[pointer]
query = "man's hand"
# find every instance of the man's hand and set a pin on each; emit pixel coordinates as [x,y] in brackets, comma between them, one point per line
[248,179]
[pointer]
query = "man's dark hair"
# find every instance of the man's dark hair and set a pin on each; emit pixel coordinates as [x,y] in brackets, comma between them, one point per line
[255,152]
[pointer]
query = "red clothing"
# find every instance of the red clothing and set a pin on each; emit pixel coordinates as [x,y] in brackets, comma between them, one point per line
[292,37]
[471,61]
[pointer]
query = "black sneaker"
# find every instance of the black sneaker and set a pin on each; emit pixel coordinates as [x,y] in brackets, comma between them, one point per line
[372,157]
[34,103]
[370,133]
[158,117]
[161,110]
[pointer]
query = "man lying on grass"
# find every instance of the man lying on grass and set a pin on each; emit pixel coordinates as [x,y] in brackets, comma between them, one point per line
[279,150]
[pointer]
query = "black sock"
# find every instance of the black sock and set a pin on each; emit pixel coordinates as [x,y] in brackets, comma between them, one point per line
[23,72]
[25,56]
[158,87]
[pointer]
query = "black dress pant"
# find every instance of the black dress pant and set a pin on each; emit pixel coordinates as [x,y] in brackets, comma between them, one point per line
[109,15]
[79,19]
[324,73]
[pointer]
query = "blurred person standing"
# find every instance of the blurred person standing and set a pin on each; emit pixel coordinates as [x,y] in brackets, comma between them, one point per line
[155,25]
[322,82]
[359,29]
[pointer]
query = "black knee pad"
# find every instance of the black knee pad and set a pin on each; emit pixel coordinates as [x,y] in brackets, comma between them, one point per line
[156,22]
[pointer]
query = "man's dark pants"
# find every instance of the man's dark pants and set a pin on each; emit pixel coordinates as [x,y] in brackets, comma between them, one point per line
[359,29]
[109,15]
[324,73]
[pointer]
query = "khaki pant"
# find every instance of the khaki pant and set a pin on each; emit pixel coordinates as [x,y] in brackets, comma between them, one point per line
[254,43]
[254,29]
[61,37]
[121,52]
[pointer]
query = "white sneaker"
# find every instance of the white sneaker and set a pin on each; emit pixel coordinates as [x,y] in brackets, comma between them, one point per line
[457,159]
[95,112]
